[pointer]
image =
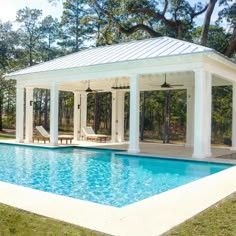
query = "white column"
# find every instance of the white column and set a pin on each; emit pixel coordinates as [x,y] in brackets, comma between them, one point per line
[76,116]
[19,114]
[234,118]
[54,103]
[208,113]
[202,114]
[29,114]
[83,107]
[134,115]
[114,117]
[120,116]
[190,117]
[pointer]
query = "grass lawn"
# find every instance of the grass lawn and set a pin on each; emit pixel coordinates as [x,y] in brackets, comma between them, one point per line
[21,223]
[6,136]
[218,220]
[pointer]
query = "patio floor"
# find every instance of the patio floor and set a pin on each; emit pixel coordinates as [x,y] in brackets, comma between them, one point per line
[219,153]
[150,148]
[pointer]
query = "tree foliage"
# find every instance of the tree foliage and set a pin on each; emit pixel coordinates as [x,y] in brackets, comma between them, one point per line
[30,31]
[170,17]
[77,23]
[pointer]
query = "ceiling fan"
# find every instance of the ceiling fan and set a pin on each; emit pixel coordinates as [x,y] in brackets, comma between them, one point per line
[166,85]
[89,90]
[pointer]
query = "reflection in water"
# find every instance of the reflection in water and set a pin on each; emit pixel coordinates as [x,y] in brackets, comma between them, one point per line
[97,175]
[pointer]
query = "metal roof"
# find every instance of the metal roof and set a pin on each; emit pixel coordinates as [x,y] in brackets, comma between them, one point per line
[134,50]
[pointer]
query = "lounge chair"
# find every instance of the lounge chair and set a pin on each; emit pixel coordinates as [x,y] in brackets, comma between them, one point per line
[90,135]
[46,136]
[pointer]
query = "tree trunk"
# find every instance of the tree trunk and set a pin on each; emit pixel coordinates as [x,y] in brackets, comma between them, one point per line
[232,45]
[207,20]
[77,28]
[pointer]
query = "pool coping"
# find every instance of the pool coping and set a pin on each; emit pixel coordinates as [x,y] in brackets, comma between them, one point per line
[152,216]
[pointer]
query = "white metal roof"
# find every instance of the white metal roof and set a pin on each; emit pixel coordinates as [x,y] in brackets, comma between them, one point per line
[135,50]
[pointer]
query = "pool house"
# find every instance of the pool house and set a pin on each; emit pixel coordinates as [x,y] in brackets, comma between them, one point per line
[134,66]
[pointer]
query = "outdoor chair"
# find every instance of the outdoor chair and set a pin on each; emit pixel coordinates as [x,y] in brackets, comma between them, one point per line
[46,136]
[89,134]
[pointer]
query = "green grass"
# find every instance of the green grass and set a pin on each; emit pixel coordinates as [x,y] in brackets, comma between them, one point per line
[21,223]
[218,220]
[6,136]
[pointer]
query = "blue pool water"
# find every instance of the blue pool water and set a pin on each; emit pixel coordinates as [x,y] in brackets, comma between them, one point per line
[97,175]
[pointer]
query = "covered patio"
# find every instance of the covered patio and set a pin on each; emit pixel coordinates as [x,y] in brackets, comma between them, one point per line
[134,67]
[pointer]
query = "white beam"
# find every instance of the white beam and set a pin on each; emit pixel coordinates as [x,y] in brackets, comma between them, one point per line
[114,117]
[29,114]
[120,115]
[190,117]
[19,113]
[54,103]
[234,118]
[145,66]
[134,115]
[202,114]
[76,116]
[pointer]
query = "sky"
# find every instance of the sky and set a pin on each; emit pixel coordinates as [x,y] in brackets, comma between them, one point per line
[9,8]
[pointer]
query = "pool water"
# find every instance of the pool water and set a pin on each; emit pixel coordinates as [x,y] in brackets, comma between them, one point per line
[98,176]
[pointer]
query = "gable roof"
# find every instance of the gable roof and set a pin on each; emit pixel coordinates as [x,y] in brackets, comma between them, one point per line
[134,50]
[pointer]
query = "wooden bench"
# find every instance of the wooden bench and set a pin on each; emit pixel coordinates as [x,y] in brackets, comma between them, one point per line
[65,138]
[39,138]
[44,139]
[102,138]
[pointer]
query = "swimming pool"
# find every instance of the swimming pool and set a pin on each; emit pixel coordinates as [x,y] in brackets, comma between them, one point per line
[99,176]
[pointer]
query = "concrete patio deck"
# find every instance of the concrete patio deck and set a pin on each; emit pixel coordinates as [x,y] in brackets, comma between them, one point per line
[149,148]
[170,150]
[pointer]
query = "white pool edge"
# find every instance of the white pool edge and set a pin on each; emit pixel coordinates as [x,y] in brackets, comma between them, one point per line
[152,216]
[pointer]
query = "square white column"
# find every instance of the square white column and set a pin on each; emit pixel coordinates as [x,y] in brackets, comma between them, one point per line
[29,114]
[114,121]
[54,103]
[19,113]
[134,115]
[190,117]
[120,116]
[83,110]
[202,114]
[233,148]
[76,116]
